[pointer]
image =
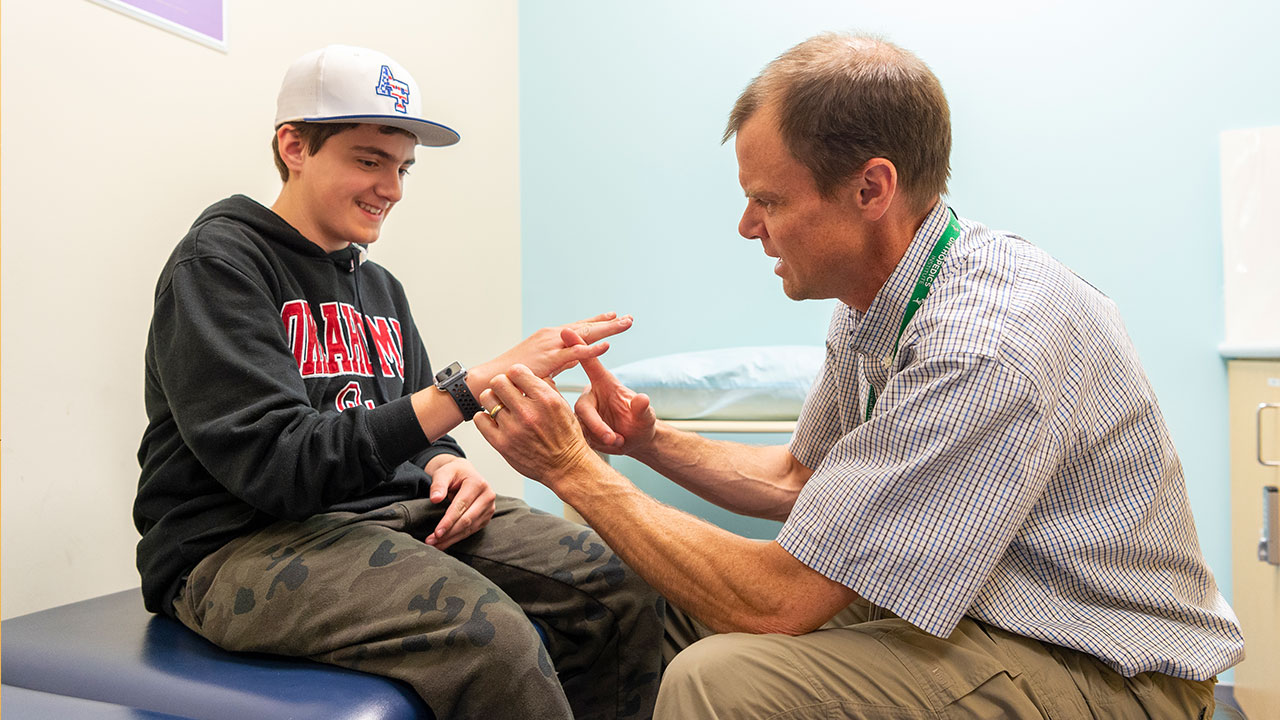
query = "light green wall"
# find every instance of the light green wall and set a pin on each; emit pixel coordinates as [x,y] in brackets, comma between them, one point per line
[1090,128]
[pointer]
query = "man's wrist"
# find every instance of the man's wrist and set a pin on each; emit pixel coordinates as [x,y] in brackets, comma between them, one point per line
[580,478]
[648,452]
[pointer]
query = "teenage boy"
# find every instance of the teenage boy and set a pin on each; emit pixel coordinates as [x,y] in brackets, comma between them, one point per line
[299,494]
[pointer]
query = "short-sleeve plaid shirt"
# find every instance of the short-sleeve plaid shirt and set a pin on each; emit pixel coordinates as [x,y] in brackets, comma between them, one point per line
[1016,467]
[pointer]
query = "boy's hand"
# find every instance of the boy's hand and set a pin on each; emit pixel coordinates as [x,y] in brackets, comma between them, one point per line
[471,500]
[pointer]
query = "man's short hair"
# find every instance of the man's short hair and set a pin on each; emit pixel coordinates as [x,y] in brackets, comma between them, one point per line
[842,100]
[314,135]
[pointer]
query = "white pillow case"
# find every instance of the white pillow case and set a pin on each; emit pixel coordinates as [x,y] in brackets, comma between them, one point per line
[743,383]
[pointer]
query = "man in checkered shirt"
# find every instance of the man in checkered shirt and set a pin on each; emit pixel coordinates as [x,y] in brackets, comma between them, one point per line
[985,515]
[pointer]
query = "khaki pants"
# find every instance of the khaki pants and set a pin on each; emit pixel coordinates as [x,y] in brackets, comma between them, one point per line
[855,667]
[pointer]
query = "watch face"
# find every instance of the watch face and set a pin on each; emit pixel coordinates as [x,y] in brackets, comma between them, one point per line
[444,375]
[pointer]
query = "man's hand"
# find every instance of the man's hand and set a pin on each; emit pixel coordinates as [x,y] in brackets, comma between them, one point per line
[534,430]
[615,419]
[547,354]
[471,500]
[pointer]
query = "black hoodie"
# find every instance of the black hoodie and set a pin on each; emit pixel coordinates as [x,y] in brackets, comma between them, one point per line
[277,384]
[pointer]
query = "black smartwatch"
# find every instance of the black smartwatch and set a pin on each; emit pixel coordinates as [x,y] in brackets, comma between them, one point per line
[453,380]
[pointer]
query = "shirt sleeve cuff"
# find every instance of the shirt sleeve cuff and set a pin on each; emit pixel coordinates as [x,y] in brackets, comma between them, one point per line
[397,434]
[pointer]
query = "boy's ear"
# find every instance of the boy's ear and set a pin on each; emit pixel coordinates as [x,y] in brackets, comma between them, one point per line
[291,148]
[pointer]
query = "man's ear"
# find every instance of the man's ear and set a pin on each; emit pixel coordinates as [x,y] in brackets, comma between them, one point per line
[292,151]
[875,187]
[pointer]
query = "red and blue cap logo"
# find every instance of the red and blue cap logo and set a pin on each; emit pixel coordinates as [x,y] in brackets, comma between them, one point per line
[389,86]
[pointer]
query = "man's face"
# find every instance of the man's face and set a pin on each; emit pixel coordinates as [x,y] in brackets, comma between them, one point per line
[346,189]
[811,236]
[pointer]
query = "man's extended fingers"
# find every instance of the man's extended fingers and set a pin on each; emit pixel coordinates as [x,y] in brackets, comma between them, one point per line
[596,371]
[594,425]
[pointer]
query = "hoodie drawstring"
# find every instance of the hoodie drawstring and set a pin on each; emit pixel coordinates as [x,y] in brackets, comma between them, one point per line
[357,258]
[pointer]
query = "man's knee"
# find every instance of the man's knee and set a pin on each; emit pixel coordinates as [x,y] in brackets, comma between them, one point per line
[712,676]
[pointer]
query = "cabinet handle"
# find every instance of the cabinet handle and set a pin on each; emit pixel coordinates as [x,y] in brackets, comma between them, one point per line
[1262,407]
[1269,544]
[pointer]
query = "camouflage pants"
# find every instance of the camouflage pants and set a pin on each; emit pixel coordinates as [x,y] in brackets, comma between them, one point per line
[363,591]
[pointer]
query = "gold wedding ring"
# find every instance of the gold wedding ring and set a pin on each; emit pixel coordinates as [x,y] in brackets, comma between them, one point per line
[493,411]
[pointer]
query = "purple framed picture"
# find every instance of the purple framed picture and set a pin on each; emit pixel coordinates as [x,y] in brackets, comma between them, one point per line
[204,21]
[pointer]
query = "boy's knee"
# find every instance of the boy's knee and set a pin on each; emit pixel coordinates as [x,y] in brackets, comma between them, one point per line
[502,625]
[505,636]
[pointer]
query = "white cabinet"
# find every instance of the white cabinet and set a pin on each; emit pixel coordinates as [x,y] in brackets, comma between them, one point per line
[1250,241]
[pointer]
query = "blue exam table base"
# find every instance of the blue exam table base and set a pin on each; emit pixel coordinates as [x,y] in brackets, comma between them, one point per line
[109,654]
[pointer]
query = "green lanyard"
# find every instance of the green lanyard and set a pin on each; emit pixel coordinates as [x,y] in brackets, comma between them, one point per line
[928,274]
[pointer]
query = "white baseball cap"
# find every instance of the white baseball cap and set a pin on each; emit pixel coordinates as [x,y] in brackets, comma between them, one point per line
[340,83]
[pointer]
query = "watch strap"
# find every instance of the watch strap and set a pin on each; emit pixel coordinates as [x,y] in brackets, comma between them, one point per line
[453,380]
[461,395]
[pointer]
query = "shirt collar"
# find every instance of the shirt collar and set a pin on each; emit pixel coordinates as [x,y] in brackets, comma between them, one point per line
[878,330]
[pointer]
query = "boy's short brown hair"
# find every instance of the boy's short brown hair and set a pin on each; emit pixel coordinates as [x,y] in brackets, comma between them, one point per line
[314,135]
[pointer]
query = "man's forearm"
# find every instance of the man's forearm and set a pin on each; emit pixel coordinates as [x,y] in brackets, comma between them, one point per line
[760,481]
[731,583]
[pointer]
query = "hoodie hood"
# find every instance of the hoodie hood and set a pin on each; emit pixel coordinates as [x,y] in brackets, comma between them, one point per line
[265,222]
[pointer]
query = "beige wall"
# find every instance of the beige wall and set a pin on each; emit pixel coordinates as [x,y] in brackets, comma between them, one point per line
[115,135]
